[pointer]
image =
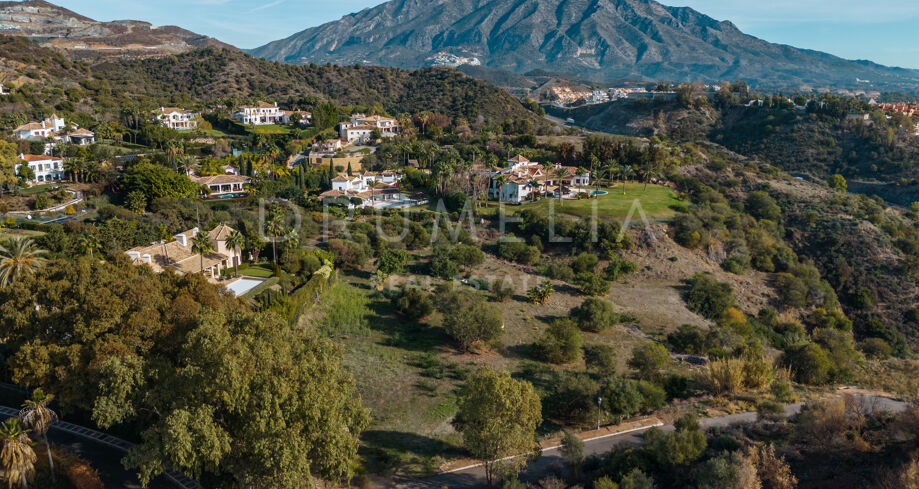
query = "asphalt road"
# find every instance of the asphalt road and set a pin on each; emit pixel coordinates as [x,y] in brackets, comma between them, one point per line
[550,461]
[105,459]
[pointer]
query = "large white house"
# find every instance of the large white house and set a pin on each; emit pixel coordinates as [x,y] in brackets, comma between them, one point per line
[524,178]
[263,114]
[361,127]
[54,130]
[223,186]
[36,131]
[178,119]
[45,168]
[363,181]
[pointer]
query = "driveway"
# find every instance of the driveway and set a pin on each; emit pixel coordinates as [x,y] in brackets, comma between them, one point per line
[105,459]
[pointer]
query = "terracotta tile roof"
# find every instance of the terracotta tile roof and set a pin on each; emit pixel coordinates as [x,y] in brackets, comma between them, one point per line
[31,158]
[220,179]
[33,126]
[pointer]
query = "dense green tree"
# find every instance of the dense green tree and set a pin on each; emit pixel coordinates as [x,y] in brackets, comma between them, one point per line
[595,315]
[560,343]
[222,393]
[498,417]
[467,318]
[156,181]
[649,359]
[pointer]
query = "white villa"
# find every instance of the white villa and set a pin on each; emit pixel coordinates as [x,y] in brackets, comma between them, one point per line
[223,186]
[524,178]
[178,119]
[360,128]
[54,130]
[45,168]
[263,114]
[362,186]
[177,255]
[328,146]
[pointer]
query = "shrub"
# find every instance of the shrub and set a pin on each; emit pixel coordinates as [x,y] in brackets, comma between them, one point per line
[503,290]
[573,399]
[762,206]
[708,297]
[770,411]
[876,348]
[518,251]
[42,201]
[649,359]
[600,359]
[468,318]
[592,284]
[618,268]
[690,339]
[443,266]
[653,396]
[561,343]
[678,387]
[682,446]
[585,262]
[391,262]
[558,271]
[621,397]
[809,364]
[595,315]
[540,294]
[414,304]
[728,471]
[467,256]
[348,254]
[636,479]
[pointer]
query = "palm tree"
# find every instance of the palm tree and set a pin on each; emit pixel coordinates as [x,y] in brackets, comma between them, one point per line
[202,245]
[275,228]
[560,173]
[17,459]
[292,243]
[373,185]
[89,243]
[626,171]
[500,181]
[235,241]
[36,414]
[20,258]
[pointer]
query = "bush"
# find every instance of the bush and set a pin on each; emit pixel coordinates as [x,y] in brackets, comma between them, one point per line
[391,262]
[621,397]
[42,201]
[592,284]
[649,359]
[468,318]
[595,315]
[770,411]
[348,254]
[678,387]
[809,364]
[708,297]
[573,399]
[503,289]
[414,304]
[762,206]
[585,262]
[541,294]
[561,343]
[728,471]
[876,348]
[653,396]
[443,266]
[467,256]
[618,268]
[517,251]
[600,359]
[558,271]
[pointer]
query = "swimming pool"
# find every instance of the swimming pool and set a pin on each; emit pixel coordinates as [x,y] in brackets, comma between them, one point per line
[242,285]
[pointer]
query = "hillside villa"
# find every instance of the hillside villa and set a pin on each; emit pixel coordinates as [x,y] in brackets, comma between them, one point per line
[372,188]
[45,168]
[177,119]
[360,128]
[263,114]
[54,130]
[177,255]
[524,179]
[223,186]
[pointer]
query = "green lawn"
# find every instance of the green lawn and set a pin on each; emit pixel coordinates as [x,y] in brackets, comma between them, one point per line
[248,269]
[269,129]
[19,233]
[37,189]
[656,202]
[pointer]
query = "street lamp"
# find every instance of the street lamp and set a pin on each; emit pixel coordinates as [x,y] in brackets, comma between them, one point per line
[599,403]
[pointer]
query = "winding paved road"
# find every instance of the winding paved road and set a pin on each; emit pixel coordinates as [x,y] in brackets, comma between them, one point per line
[550,460]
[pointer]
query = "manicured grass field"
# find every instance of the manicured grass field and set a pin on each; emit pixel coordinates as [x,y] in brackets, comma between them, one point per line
[269,129]
[655,202]
[37,189]
[19,233]
[259,271]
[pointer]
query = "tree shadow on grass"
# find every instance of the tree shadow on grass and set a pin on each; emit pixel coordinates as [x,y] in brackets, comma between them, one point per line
[385,451]
[405,334]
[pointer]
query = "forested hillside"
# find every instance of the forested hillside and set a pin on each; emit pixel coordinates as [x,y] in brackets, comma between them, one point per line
[52,82]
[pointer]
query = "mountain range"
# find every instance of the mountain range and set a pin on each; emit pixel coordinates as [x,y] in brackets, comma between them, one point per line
[58,27]
[597,40]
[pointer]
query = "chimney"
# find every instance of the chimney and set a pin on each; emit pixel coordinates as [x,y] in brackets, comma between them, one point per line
[182,239]
[194,231]
[148,259]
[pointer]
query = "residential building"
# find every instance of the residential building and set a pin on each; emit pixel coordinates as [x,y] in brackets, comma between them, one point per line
[223,186]
[80,137]
[178,119]
[328,146]
[362,182]
[360,128]
[177,255]
[263,113]
[45,168]
[36,131]
[524,179]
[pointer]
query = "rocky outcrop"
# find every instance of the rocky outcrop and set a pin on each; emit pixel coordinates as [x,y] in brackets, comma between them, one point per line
[600,40]
[58,27]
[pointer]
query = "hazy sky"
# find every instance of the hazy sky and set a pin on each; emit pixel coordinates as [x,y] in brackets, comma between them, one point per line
[884,31]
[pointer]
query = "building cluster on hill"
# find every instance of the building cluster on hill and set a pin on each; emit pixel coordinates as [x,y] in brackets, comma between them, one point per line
[179,255]
[264,114]
[361,129]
